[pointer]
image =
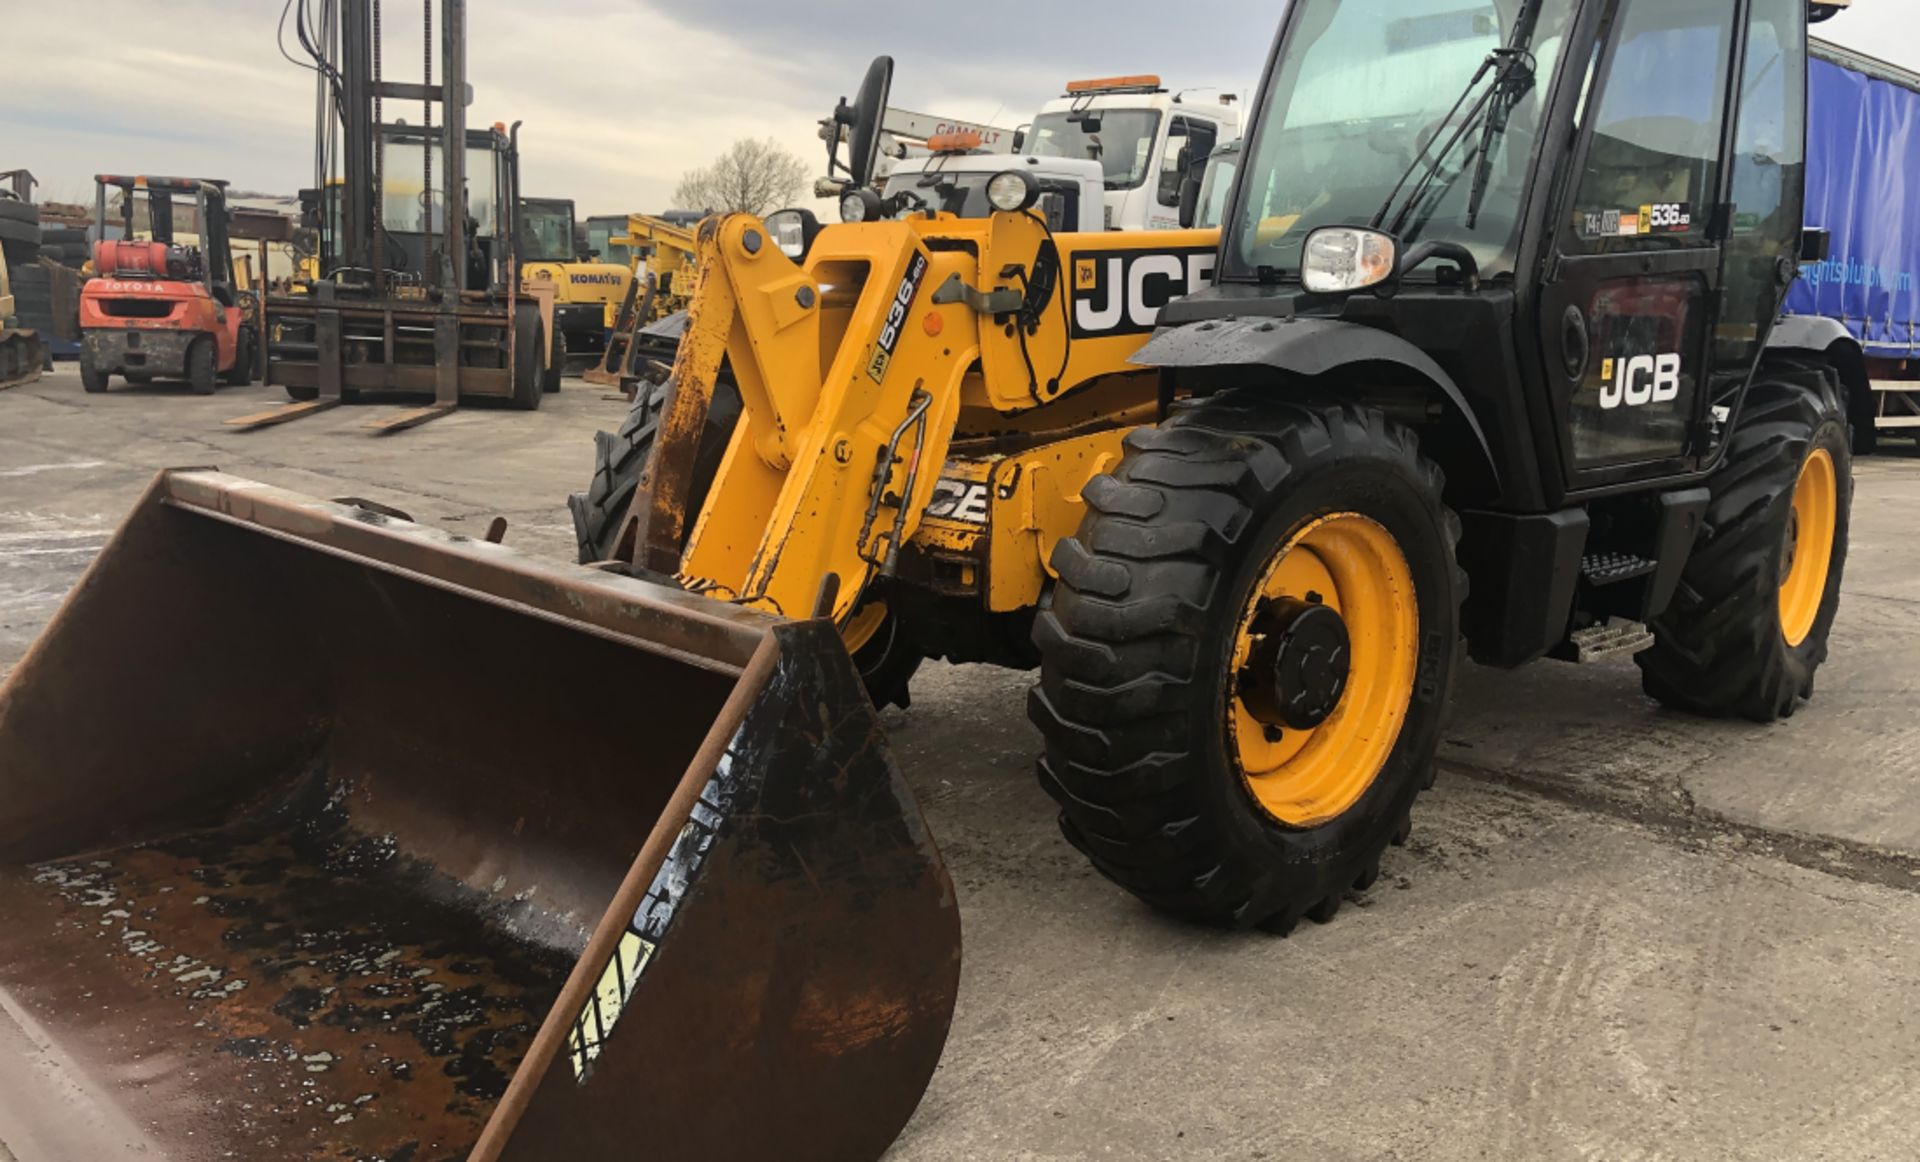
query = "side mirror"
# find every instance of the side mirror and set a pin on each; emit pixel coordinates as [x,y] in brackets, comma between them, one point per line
[1816,244]
[1189,202]
[793,232]
[862,120]
[1020,140]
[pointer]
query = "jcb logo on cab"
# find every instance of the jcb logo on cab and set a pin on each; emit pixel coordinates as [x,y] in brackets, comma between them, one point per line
[1639,381]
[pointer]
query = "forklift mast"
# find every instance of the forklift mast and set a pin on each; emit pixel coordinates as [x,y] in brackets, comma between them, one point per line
[366,142]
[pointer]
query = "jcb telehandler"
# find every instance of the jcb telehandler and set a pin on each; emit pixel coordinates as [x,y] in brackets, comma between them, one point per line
[1489,362]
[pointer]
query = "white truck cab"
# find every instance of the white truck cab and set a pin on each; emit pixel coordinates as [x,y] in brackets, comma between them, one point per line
[1147,142]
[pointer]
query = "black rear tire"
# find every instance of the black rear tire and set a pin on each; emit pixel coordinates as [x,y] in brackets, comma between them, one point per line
[1721,650]
[1137,637]
[201,376]
[92,379]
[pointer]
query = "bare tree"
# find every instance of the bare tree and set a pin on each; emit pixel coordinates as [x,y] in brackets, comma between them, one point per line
[754,177]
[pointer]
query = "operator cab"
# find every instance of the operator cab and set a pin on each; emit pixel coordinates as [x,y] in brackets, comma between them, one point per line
[546,230]
[170,229]
[1610,191]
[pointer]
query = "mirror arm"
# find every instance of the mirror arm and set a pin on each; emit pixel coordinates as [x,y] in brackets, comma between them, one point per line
[1424,252]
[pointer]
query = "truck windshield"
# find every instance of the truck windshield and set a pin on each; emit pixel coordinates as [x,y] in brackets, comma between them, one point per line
[1122,142]
[1361,93]
[546,232]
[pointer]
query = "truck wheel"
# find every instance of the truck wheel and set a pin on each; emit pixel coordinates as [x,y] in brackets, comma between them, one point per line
[1750,622]
[241,373]
[200,364]
[92,379]
[1246,658]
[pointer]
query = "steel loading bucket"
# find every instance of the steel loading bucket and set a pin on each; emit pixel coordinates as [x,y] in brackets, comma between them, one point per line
[326,835]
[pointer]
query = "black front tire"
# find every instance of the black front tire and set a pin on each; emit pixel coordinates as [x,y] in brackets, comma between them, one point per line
[620,458]
[241,373]
[1136,642]
[529,377]
[1720,649]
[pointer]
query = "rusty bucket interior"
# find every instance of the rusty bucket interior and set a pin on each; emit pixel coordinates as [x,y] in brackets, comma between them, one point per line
[327,835]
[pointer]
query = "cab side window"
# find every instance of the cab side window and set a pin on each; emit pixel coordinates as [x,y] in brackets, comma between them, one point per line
[1189,143]
[1652,168]
[1769,166]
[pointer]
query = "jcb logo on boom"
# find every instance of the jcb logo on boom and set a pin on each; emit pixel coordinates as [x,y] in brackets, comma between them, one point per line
[1120,292]
[1639,381]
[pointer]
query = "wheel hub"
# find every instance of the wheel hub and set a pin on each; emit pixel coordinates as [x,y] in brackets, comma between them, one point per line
[1299,666]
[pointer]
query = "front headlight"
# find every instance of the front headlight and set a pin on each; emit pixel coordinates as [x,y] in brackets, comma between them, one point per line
[1339,259]
[1012,191]
[861,205]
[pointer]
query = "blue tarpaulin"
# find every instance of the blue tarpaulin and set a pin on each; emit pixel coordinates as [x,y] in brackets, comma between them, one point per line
[1863,185]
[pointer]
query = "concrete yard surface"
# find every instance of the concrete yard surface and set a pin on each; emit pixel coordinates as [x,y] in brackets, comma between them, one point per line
[1619,934]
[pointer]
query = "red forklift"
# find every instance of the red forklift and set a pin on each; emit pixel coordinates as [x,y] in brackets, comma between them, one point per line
[162,303]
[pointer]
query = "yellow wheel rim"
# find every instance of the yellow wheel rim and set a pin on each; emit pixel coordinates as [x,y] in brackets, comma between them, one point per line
[1810,538]
[1352,565]
[865,622]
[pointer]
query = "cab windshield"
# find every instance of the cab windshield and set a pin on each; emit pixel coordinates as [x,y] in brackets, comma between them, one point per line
[546,232]
[1121,140]
[1360,98]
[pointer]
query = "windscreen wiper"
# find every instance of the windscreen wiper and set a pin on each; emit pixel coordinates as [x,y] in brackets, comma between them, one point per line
[1514,84]
[1513,69]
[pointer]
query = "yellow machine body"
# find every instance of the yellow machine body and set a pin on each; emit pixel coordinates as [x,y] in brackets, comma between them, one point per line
[922,398]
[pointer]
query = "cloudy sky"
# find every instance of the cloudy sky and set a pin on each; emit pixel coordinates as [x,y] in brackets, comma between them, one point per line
[619,97]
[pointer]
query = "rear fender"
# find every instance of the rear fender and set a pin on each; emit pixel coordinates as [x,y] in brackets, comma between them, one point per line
[1327,350]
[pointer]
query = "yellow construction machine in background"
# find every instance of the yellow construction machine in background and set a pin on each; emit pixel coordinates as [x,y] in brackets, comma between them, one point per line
[588,292]
[23,353]
[665,256]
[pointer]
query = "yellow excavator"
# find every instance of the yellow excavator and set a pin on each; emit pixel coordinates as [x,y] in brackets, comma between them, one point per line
[23,354]
[587,291]
[477,856]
